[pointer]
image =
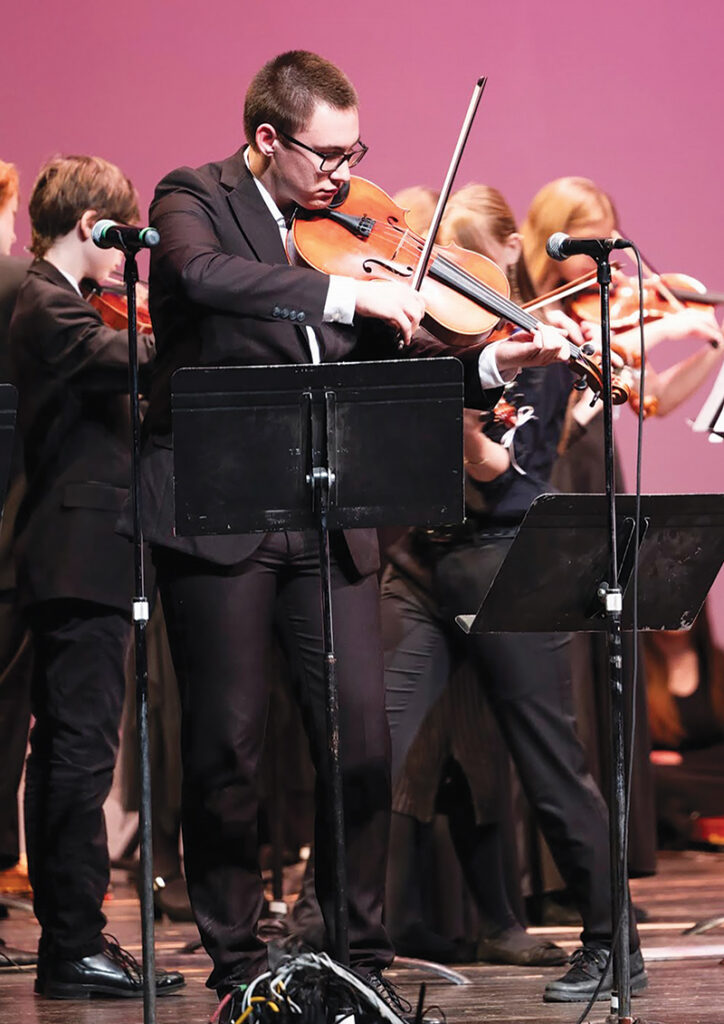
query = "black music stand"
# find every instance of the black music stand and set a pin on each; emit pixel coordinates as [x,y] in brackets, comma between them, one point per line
[550,577]
[319,447]
[555,577]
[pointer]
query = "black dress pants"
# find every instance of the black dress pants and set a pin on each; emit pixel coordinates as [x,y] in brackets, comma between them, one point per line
[220,627]
[77,698]
[528,682]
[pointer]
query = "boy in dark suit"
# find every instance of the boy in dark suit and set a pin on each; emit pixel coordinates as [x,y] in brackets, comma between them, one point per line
[222,292]
[74,571]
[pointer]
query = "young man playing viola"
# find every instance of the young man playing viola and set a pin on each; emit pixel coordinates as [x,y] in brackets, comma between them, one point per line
[222,292]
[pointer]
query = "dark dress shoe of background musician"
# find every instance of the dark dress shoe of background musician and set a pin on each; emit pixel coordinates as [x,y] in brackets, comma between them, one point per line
[113,972]
[12,959]
[516,946]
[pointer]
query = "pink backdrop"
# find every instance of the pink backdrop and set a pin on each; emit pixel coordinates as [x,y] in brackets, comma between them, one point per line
[632,99]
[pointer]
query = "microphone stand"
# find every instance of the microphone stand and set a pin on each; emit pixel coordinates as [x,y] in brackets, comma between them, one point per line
[610,594]
[140,615]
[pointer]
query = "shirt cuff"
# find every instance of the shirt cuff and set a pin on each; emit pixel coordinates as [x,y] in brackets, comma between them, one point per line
[490,375]
[341,300]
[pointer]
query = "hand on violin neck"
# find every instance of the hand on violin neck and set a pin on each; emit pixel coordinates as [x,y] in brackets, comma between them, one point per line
[578,333]
[542,347]
[395,303]
[586,335]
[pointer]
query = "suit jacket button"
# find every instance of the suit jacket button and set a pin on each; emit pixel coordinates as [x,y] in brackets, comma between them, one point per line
[284,314]
[301,316]
[276,311]
[292,314]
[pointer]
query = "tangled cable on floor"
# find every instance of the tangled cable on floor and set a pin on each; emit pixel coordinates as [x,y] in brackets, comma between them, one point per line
[310,988]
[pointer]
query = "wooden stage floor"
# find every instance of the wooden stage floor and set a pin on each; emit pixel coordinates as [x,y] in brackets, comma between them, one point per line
[686,978]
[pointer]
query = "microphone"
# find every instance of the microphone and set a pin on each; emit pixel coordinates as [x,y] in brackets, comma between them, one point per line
[107,234]
[560,246]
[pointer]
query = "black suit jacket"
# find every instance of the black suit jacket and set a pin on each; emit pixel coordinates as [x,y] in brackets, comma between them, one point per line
[12,275]
[74,414]
[223,293]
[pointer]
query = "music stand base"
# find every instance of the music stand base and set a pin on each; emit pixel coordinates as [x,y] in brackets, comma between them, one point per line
[707,925]
[614,1019]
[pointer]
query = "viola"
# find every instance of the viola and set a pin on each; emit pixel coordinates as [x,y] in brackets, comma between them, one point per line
[112,305]
[365,234]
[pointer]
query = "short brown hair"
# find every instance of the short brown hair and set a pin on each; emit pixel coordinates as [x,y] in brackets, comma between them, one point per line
[285,91]
[67,186]
[8,182]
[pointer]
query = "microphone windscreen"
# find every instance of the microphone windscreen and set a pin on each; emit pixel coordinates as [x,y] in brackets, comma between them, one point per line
[99,229]
[554,245]
[150,237]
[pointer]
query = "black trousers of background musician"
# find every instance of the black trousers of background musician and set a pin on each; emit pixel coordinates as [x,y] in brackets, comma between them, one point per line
[220,630]
[527,680]
[77,698]
[15,668]
[16,665]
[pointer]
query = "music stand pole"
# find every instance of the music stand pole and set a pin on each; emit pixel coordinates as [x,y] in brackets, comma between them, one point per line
[611,596]
[139,611]
[321,479]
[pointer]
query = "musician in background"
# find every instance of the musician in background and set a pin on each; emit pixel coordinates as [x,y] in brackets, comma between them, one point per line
[685,696]
[435,575]
[15,649]
[579,207]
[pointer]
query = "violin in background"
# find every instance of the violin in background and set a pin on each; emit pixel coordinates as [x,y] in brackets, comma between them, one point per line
[111,302]
[663,294]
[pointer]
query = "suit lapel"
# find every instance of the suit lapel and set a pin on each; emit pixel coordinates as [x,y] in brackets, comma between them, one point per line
[251,212]
[42,268]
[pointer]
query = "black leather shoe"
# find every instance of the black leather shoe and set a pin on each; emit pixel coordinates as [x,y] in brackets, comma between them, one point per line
[587,967]
[388,994]
[12,959]
[112,972]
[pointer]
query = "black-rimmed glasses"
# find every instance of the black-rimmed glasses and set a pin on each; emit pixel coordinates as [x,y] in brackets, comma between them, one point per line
[330,162]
